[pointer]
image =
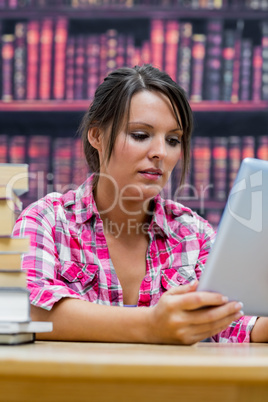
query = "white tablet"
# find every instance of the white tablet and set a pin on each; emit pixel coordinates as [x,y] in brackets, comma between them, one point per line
[237,265]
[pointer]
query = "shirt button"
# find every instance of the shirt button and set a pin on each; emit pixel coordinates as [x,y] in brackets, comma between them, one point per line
[153,254]
[148,279]
[80,275]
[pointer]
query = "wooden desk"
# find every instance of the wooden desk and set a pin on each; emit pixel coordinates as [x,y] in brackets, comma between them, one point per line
[100,372]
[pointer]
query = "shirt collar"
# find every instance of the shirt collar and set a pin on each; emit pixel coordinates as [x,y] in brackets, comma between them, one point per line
[83,205]
[81,201]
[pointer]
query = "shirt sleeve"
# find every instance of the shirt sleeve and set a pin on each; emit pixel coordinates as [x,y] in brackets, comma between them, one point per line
[42,262]
[238,331]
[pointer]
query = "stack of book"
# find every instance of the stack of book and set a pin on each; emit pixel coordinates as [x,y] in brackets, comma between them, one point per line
[16,326]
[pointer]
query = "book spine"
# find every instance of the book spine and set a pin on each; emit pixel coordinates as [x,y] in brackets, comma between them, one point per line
[262,147]
[7,66]
[198,57]
[146,56]
[213,60]
[46,44]
[3,148]
[62,164]
[20,61]
[234,159]
[70,48]
[112,46]
[227,64]
[60,42]
[171,48]
[157,37]
[219,167]
[121,53]
[17,149]
[246,70]
[185,56]
[257,74]
[202,166]
[33,33]
[92,64]
[103,57]
[235,96]
[38,159]
[265,60]
[248,147]
[79,67]
[130,51]
[80,168]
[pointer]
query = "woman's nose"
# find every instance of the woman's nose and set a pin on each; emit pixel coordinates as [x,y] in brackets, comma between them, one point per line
[158,148]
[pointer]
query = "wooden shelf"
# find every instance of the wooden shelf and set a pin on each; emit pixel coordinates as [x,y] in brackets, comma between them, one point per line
[82,105]
[121,11]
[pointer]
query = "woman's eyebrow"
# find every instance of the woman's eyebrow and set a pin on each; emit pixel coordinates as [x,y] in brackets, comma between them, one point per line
[141,123]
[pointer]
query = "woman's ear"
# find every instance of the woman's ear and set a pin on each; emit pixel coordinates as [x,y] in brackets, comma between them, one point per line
[95,138]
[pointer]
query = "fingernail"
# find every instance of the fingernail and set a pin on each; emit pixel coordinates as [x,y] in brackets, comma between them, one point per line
[225,299]
[239,305]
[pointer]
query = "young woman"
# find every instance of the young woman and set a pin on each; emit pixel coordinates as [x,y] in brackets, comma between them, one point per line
[114,243]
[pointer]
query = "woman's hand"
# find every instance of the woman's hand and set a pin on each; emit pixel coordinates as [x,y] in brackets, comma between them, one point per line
[184,316]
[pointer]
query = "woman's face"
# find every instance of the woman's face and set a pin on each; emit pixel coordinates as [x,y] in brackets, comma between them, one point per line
[145,153]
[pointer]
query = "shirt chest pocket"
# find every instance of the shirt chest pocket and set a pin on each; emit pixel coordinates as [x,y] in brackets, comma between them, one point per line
[176,276]
[75,273]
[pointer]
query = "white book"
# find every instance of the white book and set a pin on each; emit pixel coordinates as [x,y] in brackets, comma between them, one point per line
[16,339]
[25,327]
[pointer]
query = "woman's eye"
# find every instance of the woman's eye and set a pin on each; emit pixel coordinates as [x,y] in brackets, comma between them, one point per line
[173,141]
[139,136]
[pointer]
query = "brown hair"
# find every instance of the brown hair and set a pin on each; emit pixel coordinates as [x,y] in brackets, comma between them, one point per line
[111,106]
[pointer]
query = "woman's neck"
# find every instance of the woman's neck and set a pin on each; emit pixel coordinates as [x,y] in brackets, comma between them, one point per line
[122,216]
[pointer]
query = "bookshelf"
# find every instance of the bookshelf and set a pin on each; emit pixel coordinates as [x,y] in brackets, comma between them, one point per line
[53,114]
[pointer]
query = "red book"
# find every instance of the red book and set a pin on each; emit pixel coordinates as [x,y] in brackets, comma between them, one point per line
[262,147]
[171,48]
[20,61]
[228,53]
[234,159]
[12,3]
[79,67]
[62,164]
[7,66]
[38,159]
[146,56]
[130,51]
[80,168]
[33,35]
[185,56]
[60,42]
[257,74]
[202,166]
[3,148]
[17,149]
[219,167]
[121,53]
[213,216]
[198,57]
[137,61]
[69,90]
[157,43]
[46,49]
[92,64]
[212,77]
[112,45]
[248,147]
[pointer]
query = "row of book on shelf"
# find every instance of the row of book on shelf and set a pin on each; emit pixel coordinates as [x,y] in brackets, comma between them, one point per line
[42,60]
[194,4]
[16,326]
[58,164]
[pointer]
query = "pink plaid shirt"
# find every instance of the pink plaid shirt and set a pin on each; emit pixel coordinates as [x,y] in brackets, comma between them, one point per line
[69,256]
